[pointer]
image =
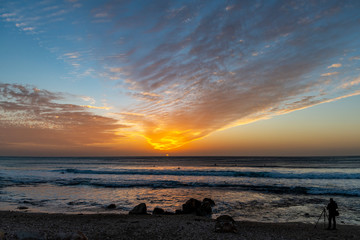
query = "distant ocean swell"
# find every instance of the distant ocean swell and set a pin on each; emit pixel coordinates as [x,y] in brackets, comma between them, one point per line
[177,184]
[218,173]
[242,187]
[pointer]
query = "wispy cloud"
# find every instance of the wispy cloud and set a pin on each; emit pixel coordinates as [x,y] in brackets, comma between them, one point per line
[95,107]
[216,74]
[193,68]
[329,74]
[147,96]
[72,55]
[28,109]
[88,99]
[114,70]
[352,83]
[335,65]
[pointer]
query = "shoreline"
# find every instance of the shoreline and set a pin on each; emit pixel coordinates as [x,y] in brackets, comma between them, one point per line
[121,226]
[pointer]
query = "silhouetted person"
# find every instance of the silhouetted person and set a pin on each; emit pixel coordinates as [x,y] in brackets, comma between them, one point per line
[332,206]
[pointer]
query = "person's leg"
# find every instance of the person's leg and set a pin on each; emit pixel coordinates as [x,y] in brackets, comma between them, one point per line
[329,226]
[334,224]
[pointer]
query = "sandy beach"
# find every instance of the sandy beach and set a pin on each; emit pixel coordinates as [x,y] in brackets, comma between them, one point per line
[116,226]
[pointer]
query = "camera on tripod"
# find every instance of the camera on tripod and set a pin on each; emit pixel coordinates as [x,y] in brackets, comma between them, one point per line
[326,217]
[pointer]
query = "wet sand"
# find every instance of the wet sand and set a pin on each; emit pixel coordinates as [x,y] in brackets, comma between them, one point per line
[116,226]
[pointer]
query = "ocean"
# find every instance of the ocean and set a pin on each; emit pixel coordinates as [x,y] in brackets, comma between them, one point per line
[263,189]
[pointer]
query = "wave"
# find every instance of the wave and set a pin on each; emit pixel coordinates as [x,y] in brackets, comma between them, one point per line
[163,184]
[160,184]
[218,173]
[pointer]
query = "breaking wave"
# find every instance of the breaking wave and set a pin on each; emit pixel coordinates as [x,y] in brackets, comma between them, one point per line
[218,173]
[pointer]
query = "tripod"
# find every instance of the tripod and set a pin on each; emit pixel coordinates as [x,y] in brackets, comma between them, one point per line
[325,217]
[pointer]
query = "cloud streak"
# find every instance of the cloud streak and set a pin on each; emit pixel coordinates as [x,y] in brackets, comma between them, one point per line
[30,116]
[191,68]
[228,67]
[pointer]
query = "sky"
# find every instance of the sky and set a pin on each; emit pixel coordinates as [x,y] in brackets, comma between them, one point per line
[119,78]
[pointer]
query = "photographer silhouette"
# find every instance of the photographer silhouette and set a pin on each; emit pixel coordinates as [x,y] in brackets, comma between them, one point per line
[332,206]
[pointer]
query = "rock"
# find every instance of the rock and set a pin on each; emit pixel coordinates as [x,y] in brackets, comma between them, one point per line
[71,236]
[139,209]
[195,206]
[158,211]
[22,208]
[225,224]
[212,203]
[205,209]
[30,236]
[111,206]
[190,206]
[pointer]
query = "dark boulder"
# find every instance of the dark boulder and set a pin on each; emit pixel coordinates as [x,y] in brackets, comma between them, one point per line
[111,206]
[210,201]
[205,209]
[225,224]
[191,206]
[139,209]
[158,211]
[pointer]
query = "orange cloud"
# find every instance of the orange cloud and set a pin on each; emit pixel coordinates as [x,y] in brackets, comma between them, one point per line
[31,119]
[94,107]
[335,65]
[356,81]
[329,74]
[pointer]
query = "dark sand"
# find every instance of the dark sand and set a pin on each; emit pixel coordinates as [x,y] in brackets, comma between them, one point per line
[115,226]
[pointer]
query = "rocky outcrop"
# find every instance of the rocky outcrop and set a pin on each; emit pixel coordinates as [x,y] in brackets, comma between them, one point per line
[194,206]
[139,209]
[225,224]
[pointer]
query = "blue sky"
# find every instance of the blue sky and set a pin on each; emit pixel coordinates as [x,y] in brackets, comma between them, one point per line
[163,74]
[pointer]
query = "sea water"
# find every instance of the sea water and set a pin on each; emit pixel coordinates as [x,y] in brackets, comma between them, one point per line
[265,189]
